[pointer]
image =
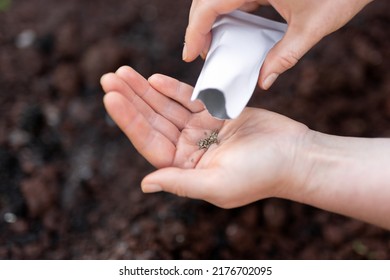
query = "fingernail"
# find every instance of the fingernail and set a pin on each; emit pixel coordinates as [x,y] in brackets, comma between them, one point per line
[151,188]
[267,83]
[184,55]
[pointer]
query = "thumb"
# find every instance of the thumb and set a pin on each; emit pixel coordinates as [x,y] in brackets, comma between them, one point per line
[284,55]
[192,183]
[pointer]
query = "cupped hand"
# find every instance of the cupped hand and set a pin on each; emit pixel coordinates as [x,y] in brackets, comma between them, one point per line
[256,156]
[308,22]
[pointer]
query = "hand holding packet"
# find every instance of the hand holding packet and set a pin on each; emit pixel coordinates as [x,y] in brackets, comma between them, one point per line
[240,43]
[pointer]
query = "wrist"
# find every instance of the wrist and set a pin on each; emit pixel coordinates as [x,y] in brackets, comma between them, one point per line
[304,161]
[345,175]
[325,164]
[320,161]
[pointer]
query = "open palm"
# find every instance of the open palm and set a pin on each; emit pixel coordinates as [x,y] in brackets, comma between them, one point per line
[253,158]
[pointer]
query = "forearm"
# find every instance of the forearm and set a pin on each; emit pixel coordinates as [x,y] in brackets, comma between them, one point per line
[347,175]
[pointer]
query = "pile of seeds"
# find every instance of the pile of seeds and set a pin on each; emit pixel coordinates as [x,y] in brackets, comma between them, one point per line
[208,141]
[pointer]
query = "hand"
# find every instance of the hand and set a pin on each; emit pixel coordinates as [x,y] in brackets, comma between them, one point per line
[260,154]
[255,157]
[308,22]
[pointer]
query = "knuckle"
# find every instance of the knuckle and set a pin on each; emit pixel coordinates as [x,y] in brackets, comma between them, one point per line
[176,189]
[225,204]
[288,60]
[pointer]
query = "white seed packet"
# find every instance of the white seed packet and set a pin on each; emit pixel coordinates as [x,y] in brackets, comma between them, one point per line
[240,42]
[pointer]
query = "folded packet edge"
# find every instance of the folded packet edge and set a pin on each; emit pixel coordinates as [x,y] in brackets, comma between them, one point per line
[258,20]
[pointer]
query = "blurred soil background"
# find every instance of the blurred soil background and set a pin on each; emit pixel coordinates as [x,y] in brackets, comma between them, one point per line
[69,179]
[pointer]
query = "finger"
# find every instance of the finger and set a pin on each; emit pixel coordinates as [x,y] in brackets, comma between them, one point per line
[284,55]
[181,93]
[192,183]
[149,142]
[207,45]
[160,103]
[112,82]
[178,91]
[202,17]
[250,6]
[262,2]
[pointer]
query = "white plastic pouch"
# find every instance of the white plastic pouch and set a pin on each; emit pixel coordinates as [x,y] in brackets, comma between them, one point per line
[240,42]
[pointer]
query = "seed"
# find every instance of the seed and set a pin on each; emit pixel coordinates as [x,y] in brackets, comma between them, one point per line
[208,141]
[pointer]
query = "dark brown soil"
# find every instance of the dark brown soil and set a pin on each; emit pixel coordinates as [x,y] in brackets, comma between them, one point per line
[69,179]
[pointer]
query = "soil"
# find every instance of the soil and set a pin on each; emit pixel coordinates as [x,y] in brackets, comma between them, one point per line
[69,179]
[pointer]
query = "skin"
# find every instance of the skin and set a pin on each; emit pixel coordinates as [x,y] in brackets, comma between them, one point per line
[308,22]
[260,154]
